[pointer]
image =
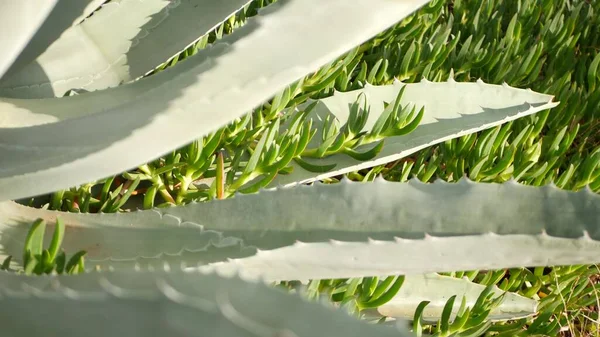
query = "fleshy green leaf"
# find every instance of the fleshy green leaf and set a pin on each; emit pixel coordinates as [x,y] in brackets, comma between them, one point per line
[75,263]
[57,239]
[34,242]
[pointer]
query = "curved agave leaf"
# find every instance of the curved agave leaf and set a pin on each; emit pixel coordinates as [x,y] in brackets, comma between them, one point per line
[126,126]
[341,230]
[452,110]
[62,17]
[119,43]
[19,22]
[166,304]
[437,289]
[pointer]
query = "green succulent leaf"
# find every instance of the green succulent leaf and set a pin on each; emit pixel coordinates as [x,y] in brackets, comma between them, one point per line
[60,262]
[314,168]
[34,241]
[76,264]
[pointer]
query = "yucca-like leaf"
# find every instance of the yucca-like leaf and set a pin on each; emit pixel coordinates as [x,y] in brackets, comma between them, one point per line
[166,304]
[176,106]
[437,289]
[19,22]
[122,41]
[341,230]
[451,110]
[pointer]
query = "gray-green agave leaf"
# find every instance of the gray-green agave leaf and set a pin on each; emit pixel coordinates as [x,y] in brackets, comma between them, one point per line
[437,289]
[452,110]
[106,132]
[65,14]
[339,231]
[122,41]
[19,22]
[143,304]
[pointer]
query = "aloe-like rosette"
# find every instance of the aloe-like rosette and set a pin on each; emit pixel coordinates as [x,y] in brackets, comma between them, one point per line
[172,108]
[159,303]
[120,42]
[339,231]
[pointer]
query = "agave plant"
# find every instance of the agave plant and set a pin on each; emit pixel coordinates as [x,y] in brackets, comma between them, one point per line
[86,95]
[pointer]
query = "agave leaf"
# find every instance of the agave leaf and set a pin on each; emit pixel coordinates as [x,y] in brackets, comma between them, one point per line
[34,242]
[167,304]
[60,18]
[74,261]
[437,289]
[120,128]
[57,238]
[122,41]
[19,22]
[340,230]
[452,110]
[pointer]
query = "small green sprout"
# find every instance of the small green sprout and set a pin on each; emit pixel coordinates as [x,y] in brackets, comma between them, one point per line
[38,261]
